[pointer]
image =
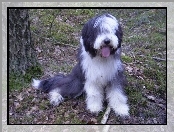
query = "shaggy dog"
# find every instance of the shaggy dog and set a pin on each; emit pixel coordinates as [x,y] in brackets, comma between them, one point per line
[99,71]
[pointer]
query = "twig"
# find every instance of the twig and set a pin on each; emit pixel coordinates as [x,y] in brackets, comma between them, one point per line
[51,25]
[106,115]
[106,128]
[160,59]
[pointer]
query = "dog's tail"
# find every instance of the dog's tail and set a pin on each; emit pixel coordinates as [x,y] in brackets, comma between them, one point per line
[69,86]
[48,84]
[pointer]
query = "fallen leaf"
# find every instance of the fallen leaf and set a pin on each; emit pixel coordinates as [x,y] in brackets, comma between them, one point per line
[150,97]
[17,105]
[19,97]
[38,49]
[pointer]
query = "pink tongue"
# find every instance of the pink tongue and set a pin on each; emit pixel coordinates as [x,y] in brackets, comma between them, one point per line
[105,51]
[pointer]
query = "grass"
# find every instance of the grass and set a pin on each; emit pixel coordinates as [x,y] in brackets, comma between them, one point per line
[17,82]
[126,59]
[144,38]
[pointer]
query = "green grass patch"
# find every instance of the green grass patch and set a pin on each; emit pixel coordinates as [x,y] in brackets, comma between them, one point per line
[126,59]
[134,94]
[18,81]
[44,105]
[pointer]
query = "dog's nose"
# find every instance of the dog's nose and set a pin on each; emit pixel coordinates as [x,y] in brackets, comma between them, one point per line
[107,41]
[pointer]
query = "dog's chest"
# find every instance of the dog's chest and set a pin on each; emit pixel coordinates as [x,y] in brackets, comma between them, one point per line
[100,70]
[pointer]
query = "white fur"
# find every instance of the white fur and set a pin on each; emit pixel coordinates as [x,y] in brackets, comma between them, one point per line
[107,23]
[117,101]
[36,83]
[55,97]
[94,98]
[99,70]
[108,27]
[100,40]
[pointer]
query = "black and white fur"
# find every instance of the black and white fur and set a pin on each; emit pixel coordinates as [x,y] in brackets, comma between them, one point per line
[99,71]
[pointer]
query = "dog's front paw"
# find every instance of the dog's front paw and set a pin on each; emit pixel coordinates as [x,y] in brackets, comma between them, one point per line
[95,107]
[122,110]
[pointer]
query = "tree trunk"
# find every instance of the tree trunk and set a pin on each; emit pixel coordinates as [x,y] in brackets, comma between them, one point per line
[21,51]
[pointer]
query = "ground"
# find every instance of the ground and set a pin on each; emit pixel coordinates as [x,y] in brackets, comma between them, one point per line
[56,37]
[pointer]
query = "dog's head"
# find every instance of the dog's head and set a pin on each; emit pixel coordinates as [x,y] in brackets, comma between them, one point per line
[102,35]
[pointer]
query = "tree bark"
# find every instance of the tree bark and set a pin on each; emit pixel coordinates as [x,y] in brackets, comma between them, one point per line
[21,51]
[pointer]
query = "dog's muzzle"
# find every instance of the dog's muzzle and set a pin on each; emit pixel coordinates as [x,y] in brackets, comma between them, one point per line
[107,49]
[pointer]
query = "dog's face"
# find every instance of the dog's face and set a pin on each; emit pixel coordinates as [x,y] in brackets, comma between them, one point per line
[102,36]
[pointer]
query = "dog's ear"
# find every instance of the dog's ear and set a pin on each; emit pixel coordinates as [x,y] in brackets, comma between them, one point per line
[89,33]
[119,34]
